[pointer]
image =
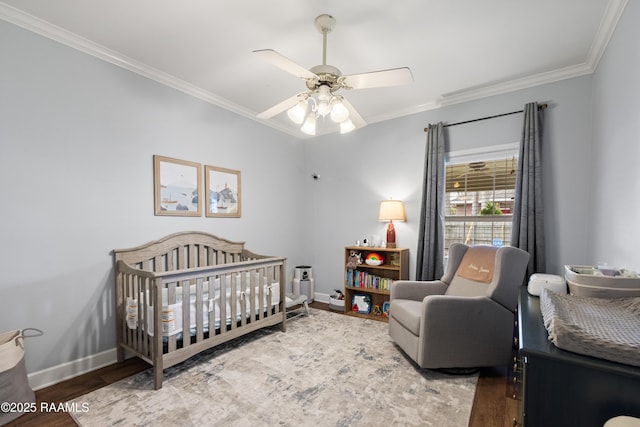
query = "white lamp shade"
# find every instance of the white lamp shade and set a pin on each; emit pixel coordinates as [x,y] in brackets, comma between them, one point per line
[347,126]
[309,126]
[323,108]
[324,93]
[391,210]
[339,112]
[297,112]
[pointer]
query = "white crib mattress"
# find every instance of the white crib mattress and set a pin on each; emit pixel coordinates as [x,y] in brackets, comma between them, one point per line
[607,328]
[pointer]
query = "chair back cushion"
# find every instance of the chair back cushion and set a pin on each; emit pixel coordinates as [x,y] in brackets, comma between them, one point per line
[508,274]
[478,264]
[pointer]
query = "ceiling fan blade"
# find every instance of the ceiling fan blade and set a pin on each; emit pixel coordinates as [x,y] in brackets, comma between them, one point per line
[393,77]
[355,117]
[279,108]
[285,64]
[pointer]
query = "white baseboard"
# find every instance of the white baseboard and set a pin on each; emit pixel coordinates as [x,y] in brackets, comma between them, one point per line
[320,297]
[55,374]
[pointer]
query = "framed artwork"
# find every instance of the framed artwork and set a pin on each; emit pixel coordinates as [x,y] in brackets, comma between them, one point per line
[223,189]
[361,303]
[177,187]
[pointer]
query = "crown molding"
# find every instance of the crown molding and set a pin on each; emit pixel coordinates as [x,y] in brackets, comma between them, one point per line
[605,31]
[67,38]
[516,84]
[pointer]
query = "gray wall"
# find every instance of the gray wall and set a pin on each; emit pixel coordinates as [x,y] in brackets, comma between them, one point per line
[78,136]
[614,174]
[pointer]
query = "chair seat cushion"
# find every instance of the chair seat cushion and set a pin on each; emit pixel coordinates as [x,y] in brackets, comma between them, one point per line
[407,313]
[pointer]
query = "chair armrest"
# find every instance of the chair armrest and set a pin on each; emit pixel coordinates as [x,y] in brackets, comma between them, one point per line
[416,290]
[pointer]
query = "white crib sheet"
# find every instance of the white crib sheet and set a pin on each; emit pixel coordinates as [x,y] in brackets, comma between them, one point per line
[172,315]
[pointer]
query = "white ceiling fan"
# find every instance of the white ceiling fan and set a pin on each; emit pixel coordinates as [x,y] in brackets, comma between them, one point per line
[323,81]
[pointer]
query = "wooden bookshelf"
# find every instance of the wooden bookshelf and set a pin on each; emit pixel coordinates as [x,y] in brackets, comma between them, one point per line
[374,282]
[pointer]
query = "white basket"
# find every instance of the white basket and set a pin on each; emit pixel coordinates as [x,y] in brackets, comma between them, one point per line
[583,282]
[336,304]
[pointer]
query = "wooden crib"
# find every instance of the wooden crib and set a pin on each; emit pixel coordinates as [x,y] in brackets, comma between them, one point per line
[190,291]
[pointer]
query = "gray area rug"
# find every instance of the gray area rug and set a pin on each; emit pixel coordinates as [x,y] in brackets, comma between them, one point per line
[326,370]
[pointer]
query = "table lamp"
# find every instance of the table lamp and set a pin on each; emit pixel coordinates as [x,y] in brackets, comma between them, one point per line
[391,210]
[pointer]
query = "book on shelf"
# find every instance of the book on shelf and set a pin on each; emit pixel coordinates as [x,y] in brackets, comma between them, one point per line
[365,280]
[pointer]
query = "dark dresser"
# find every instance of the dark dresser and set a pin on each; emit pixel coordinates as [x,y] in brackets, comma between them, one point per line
[561,388]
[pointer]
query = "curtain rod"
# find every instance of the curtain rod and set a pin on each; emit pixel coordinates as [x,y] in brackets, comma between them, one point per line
[540,107]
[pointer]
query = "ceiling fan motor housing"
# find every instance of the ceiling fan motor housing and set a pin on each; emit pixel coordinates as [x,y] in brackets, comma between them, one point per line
[327,75]
[325,23]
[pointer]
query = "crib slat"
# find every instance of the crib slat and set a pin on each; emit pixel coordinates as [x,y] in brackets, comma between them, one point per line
[272,299]
[210,256]
[212,307]
[143,303]
[169,260]
[234,302]
[202,254]
[252,296]
[199,317]
[171,299]
[223,303]
[193,257]
[261,294]
[243,299]
[186,311]
[139,338]
[181,254]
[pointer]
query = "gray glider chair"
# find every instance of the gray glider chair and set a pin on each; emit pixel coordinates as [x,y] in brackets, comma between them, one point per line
[465,319]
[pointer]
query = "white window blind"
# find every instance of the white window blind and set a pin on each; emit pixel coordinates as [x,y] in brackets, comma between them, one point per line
[480,192]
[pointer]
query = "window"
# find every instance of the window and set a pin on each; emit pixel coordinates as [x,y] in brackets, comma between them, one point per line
[480,191]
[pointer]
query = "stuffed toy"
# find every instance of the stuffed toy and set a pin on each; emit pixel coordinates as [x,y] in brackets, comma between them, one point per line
[354,260]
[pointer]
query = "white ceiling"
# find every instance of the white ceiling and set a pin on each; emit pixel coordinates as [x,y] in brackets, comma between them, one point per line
[457,50]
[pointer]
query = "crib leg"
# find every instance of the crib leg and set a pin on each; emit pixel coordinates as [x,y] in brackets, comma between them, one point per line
[120,353]
[157,378]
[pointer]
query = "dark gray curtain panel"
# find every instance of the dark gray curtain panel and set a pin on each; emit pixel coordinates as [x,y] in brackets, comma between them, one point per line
[528,224]
[431,232]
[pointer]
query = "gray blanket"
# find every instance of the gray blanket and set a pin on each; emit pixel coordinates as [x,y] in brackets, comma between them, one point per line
[598,327]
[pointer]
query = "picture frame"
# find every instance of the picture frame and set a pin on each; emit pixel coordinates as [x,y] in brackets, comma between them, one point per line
[223,188]
[362,302]
[177,187]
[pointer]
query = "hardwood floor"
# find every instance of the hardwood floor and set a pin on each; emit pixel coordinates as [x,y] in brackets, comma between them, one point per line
[493,405]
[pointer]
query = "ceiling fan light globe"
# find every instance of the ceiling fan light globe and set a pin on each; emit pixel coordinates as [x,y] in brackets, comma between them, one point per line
[309,126]
[339,113]
[347,126]
[323,108]
[324,93]
[297,112]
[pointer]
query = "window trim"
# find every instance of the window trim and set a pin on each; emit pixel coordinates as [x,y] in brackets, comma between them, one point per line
[482,153]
